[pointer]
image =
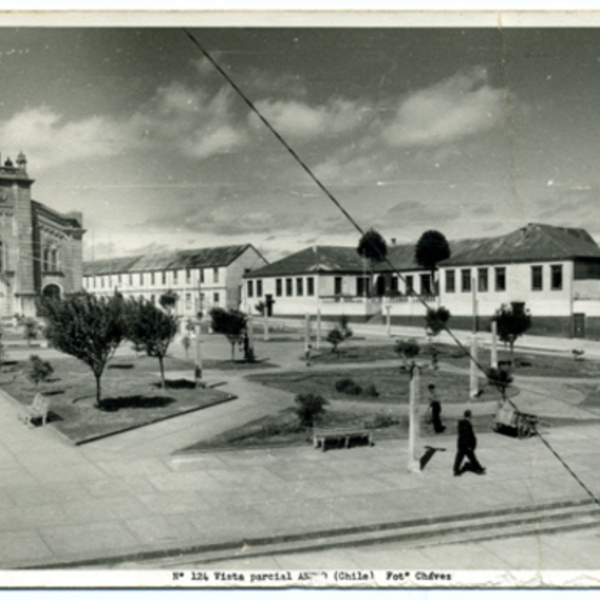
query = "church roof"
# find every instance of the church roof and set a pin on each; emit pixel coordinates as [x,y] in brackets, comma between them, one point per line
[204,258]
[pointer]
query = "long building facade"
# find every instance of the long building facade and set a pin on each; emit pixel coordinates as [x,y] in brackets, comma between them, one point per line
[40,248]
[201,278]
[553,271]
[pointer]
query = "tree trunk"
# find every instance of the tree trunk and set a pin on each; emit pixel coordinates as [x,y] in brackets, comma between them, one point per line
[163,381]
[233,352]
[98,391]
[512,354]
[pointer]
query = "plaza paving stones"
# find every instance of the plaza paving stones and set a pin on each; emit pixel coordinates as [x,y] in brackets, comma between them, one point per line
[132,494]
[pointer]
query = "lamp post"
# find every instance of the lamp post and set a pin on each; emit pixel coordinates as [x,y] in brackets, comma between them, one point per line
[198,357]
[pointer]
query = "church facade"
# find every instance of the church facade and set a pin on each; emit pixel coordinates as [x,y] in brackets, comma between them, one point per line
[40,248]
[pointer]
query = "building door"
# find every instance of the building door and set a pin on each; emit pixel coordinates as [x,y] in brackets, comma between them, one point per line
[578,325]
[269,304]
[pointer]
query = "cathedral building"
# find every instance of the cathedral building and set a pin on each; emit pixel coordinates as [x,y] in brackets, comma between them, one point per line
[40,248]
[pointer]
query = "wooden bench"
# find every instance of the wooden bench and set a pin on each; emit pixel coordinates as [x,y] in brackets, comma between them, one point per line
[321,436]
[37,409]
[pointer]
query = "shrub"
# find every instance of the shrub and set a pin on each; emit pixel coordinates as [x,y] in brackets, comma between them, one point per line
[381,421]
[371,390]
[38,370]
[348,386]
[309,408]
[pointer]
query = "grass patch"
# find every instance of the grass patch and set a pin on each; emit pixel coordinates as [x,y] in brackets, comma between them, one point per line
[283,429]
[391,384]
[528,363]
[131,393]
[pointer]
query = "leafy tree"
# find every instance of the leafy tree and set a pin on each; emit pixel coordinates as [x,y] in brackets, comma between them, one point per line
[152,329]
[230,323]
[168,300]
[31,330]
[261,308]
[435,320]
[372,248]
[309,408]
[511,323]
[431,249]
[86,327]
[38,370]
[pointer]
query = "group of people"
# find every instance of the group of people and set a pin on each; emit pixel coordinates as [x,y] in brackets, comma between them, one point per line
[467,440]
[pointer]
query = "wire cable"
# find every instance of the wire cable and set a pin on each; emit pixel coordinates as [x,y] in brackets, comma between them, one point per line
[307,169]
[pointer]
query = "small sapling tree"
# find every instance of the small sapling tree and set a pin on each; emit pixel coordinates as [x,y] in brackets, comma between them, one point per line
[231,324]
[168,300]
[86,327]
[500,379]
[436,320]
[408,350]
[511,323]
[152,329]
[38,370]
[340,333]
[309,408]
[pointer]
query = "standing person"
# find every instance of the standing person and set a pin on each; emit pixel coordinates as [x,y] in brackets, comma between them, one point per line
[435,410]
[466,447]
[308,355]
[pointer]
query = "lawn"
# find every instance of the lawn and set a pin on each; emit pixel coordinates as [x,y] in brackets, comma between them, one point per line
[131,393]
[390,384]
[528,363]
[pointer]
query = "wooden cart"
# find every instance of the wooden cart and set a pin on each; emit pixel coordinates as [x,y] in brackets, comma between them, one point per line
[513,422]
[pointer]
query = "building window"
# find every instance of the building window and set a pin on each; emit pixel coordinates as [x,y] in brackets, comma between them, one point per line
[216,275]
[482,280]
[163,277]
[288,287]
[175,277]
[500,279]
[410,289]
[465,280]
[141,277]
[188,276]
[251,289]
[337,286]
[278,287]
[426,285]
[130,279]
[394,284]
[54,259]
[153,299]
[45,259]
[557,277]
[450,282]
[310,286]
[188,301]
[299,287]
[216,298]
[201,275]
[259,291]
[537,282]
[119,279]
[152,278]
[362,286]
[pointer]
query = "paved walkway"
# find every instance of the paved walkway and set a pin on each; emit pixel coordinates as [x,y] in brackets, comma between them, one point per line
[128,495]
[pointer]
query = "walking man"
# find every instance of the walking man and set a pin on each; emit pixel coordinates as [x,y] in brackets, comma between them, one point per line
[466,447]
[435,410]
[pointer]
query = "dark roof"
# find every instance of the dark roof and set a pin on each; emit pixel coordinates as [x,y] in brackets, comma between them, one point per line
[533,243]
[178,259]
[316,259]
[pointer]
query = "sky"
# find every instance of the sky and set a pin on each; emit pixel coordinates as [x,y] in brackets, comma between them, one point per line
[473,132]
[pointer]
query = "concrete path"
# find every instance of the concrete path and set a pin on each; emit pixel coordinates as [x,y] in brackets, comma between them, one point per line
[128,496]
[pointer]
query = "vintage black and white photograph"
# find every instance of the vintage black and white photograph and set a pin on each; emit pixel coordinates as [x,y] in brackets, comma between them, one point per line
[299,304]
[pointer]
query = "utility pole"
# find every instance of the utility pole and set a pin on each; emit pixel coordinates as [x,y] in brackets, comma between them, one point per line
[414,465]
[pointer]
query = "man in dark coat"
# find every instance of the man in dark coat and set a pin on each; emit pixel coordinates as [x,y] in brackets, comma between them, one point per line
[466,447]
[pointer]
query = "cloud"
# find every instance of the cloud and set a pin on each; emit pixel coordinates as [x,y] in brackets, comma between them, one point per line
[51,140]
[300,120]
[451,110]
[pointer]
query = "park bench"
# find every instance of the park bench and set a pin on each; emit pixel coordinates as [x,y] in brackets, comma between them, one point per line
[38,409]
[322,436]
